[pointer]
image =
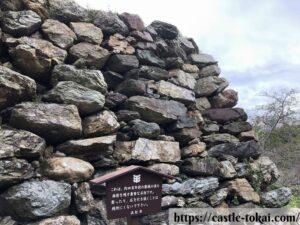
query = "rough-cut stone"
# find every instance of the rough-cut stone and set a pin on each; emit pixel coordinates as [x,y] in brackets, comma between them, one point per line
[144,129]
[185,135]
[84,200]
[189,68]
[132,87]
[243,190]
[127,115]
[68,92]
[240,150]
[119,45]
[248,136]
[165,30]
[225,99]
[174,92]
[102,123]
[210,85]
[202,103]
[145,150]
[7,220]
[156,110]
[182,79]
[147,57]
[211,70]
[186,45]
[36,199]
[174,62]
[133,21]
[67,168]
[201,166]
[169,201]
[202,59]
[143,36]
[38,7]
[227,170]
[56,123]
[215,139]
[153,73]
[36,57]
[13,171]
[20,143]
[191,187]
[218,197]
[21,23]
[193,150]
[58,33]
[67,11]
[276,198]
[236,127]
[14,88]
[182,122]
[113,79]
[60,220]
[168,169]
[92,79]
[210,128]
[90,55]
[263,170]
[113,100]
[122,63]
[87,32]
[109,22]
[225,115]
[91,149]
[11,5]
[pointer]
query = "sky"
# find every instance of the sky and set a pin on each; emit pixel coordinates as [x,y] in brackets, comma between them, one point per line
[256,42]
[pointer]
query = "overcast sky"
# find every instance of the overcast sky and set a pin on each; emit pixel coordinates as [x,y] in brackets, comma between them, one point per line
[256,42]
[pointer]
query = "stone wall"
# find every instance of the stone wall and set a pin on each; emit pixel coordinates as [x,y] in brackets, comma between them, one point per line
[87,92]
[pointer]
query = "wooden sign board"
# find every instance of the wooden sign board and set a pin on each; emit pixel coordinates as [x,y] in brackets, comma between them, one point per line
[131,191]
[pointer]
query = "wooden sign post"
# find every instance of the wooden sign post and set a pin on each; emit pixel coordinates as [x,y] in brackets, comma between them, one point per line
[131,192]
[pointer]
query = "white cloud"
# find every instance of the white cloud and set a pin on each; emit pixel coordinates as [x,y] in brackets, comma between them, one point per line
[254,41]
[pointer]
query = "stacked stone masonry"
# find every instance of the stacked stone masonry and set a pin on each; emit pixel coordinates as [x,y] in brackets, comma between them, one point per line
[85,92]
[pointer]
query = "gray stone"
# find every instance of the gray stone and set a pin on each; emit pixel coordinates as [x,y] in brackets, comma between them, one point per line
[13,171]
[133,21]
[143,36]
[225,99]
[56,123]
[156,110]
[210,85]
[202,103]
[99,124]
[90,55]
[168,169]
[165,30]
[210,128]
[175,92]
[60,220]
[218,197]
[153,73]
[58,33]
[145,150]
[15,88]
[147,57]
[144,129]
[68,92]
[174,62]
[36,57]
[122,63]
[215,139]
[127,115]
[182,79]
[189,68]
[119,45]
[20,143]
[109,22]
[239,150]
[21,23]
[210,70]
[182,122]
[114,100]
[36,199]
[91,149]
[202,59]
[113,79]
[193,150]
[236,127]
[87,32]
[185,135]
[68,169]
[277,198]
[227,170]
[92,79]
[7,220]
[225,115]
[67,11]
[201,166]
[132,87]
[186,45]
[192,187]
[84,199]
[11,5]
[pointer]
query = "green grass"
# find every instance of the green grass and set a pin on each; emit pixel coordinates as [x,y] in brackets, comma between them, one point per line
[294,203]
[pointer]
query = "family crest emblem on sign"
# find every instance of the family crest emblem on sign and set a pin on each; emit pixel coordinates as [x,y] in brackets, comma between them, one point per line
[137,178]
